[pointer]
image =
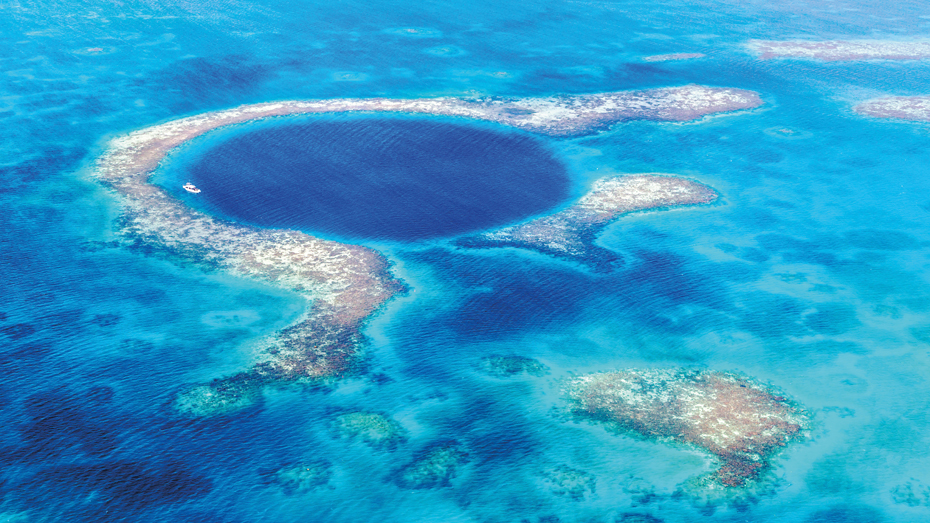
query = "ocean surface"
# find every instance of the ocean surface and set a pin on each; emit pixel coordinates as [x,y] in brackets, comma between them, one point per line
[809,273]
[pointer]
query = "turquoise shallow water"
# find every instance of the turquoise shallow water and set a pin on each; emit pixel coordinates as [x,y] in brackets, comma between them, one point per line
[809,273]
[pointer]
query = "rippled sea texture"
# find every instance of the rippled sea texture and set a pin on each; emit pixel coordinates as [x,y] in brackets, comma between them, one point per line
[808,274]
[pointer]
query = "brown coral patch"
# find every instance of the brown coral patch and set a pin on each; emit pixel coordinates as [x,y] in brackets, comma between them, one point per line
[741,423]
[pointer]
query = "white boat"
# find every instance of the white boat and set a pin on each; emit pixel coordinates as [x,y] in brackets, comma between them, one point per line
[189,187]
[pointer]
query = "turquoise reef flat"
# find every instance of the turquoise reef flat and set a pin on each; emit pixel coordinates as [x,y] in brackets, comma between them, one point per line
[518,262]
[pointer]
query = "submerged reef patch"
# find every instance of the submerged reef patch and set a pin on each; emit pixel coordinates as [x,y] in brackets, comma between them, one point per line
[836,50]
[570,234]
[434,468]
[738,421]
[300,478]
[222,396]
[914,108]
[370,428]
[913,494]
[568,482]
[635,517]
[344,284]
[509,366]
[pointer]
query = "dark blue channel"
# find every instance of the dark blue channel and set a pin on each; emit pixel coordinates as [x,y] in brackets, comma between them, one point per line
[382,178]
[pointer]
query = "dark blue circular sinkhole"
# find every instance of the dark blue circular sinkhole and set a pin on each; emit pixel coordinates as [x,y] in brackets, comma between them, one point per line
[380,178]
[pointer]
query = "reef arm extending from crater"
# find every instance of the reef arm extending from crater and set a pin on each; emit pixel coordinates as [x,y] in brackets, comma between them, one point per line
[580,115]
[740,422]
[913,108]
[344,283]
[837,50]
[570,234]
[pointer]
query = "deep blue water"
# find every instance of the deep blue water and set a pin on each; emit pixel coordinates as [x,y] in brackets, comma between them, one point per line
[402,179]
[811,272]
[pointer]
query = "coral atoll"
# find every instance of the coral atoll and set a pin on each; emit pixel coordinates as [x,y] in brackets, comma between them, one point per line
[740,422]
[570,233]
[344,284]
[916,108]
[371,428]
[508,366]
[434,468]
[842,50]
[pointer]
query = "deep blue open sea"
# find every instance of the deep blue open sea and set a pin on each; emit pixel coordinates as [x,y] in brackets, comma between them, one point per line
[810,273]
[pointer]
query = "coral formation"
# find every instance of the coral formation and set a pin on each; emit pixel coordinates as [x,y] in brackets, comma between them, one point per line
[633,517]
[916,108]
[371,428]
[222,396]
[673,57]
[641,491]
[508,366]
[842,50]
[344,284]
[741,423]
[570,233]
[913,494]
[300,478]
[434,468]
[568,482]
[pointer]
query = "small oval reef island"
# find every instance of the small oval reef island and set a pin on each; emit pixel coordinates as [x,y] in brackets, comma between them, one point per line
[344,284]
[842,50]
[673,57]
[912,108]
